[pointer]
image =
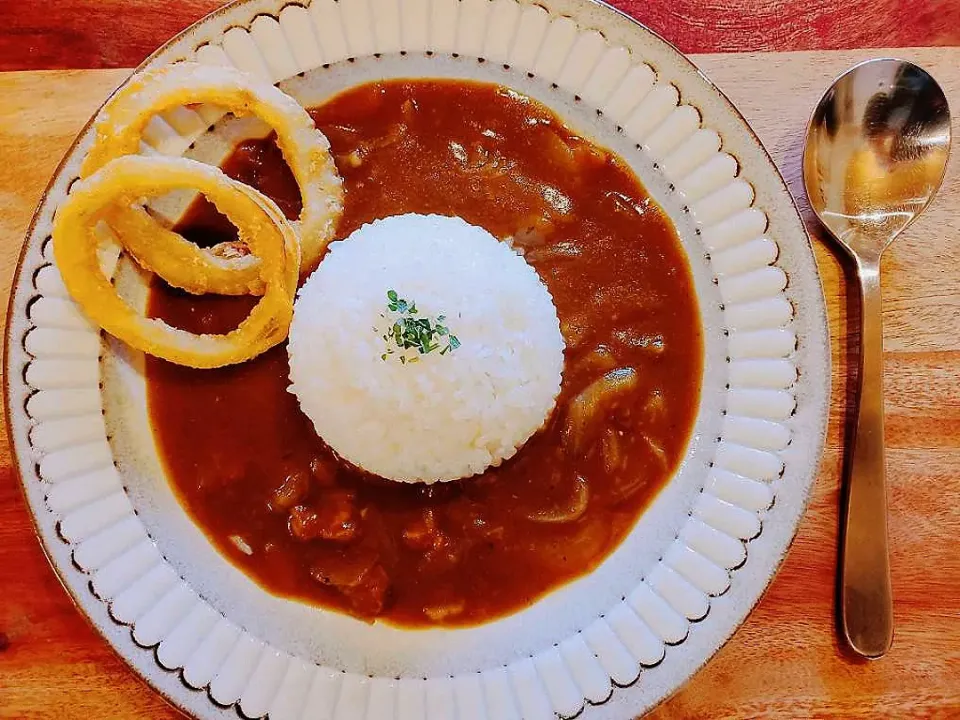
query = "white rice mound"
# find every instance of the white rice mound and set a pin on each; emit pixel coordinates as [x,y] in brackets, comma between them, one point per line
[442,417]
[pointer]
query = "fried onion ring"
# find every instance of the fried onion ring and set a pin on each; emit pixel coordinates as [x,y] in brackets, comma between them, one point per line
[259,221]
[306,150]
[180,262]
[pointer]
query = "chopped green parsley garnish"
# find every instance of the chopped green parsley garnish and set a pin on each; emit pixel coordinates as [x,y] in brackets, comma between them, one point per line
[412,331]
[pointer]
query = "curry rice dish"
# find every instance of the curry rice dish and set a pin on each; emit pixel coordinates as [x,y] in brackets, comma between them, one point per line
[613,308]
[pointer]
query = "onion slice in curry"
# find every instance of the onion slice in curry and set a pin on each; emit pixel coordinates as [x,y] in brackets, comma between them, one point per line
[574,509]
[578,433]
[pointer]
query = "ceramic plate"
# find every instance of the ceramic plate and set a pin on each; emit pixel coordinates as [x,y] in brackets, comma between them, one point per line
[610,645]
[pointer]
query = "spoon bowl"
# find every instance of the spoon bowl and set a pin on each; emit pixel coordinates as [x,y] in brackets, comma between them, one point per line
[876,152]
[875,155]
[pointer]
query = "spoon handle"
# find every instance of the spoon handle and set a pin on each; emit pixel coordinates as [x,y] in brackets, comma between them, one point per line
[866,604]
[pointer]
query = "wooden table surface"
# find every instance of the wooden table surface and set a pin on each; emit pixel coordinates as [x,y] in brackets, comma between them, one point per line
[785,661]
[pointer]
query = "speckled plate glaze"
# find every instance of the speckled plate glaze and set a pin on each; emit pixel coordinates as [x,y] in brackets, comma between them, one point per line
[610,645]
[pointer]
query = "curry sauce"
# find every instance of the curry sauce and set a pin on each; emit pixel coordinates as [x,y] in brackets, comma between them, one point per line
[249,468]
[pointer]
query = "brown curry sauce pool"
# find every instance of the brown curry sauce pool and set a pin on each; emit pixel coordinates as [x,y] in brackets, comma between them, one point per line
[249,468]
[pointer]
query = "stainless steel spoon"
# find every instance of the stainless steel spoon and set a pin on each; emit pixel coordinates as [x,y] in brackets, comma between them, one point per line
[875,155]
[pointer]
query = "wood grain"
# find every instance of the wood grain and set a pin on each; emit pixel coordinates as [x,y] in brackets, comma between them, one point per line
[785,662]
[41,35]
